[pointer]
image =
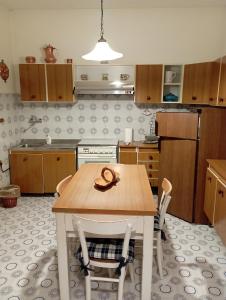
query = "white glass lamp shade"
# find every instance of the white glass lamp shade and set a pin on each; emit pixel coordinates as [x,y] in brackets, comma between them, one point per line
[102,52]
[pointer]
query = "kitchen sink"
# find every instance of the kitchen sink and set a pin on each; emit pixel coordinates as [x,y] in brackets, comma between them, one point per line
[30,145]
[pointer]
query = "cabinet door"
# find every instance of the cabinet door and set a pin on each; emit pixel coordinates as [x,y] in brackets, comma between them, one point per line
[177,163]
[128,156]
[222,86]
[148,83]
[59,82]
[32,82]
[220,211]
[57,166]
[210,195]
[197,83]
[26,171]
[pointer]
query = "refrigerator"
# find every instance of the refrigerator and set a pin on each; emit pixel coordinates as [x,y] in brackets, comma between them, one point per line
[187,140]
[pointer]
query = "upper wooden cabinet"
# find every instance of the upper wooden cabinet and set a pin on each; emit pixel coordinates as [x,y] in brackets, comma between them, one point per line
[200,83]
[148,83]
[32,82]
[222,85]
[59,82]
[50,82]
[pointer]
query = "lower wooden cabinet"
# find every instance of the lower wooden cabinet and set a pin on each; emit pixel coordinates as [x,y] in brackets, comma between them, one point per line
[220,211]
[128,156]
[143,155]
[210,191]
[215,196]
[27,172]
[57,166]
[40,172]
[150,158]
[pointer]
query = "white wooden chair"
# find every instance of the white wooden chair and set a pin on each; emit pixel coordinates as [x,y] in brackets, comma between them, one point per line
[104,253]
[159,221]
[62,184]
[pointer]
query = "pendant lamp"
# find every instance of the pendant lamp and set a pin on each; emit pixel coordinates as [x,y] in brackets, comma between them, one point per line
[102,51]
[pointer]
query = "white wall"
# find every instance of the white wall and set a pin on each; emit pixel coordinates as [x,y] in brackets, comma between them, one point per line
[5,50]
[158,35]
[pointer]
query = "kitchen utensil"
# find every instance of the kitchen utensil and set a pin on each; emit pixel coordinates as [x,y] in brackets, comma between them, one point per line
[30,59]
[170,76]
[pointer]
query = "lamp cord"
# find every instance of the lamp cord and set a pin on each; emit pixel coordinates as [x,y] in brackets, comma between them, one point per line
[102,23]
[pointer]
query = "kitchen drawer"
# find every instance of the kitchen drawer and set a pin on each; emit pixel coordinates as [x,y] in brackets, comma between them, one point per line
[150,165]
[154,181]
[148,156]
[153,173]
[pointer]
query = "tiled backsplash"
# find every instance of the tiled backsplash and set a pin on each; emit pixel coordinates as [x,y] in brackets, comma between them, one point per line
[9,130]
[85,119]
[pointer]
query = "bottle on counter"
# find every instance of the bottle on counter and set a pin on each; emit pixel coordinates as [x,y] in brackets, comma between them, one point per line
[48,139]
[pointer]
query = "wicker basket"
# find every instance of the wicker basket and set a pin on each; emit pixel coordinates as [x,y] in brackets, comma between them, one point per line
[9,194]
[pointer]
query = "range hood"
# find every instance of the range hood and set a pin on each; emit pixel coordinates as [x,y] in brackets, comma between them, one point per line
[114,80]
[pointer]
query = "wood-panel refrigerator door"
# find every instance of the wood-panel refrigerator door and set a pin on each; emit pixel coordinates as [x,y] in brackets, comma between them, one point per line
[177,163]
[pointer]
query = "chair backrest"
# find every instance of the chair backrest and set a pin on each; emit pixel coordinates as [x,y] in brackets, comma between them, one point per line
[165,200]
[102,229]
[62,184]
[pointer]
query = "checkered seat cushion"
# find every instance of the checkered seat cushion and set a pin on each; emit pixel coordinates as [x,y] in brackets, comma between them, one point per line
[157,228]
[106,249]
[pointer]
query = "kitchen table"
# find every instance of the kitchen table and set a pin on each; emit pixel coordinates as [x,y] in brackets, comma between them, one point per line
[131,196]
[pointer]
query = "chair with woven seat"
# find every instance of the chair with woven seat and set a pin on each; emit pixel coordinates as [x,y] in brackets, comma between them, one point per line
[105,251]
[159,221]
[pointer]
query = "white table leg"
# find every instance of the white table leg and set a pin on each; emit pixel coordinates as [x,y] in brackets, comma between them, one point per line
[62,257]
[147,258]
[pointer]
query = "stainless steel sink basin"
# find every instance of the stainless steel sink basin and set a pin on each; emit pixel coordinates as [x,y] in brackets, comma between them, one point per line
[30,145]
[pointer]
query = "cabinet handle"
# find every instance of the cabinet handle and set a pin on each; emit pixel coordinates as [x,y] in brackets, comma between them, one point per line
[25,159]
[221,100]
[33,96]
[148,98]
[150,175]
[220,192]
[58,158]
[194,98]
[211,99]
[210,179]
[150,157]
[60,97]
[150,167]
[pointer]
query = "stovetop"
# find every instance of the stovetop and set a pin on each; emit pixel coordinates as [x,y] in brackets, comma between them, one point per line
[98,142]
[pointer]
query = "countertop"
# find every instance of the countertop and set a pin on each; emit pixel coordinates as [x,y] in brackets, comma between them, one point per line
[139,144]
[41,145]
[219,165]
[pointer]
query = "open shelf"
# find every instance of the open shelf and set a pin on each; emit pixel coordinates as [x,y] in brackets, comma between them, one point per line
[172,83]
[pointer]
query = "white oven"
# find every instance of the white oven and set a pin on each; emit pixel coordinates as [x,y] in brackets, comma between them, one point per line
[97,151]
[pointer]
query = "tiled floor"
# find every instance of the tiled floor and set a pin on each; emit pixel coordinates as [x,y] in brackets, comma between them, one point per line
[194,260]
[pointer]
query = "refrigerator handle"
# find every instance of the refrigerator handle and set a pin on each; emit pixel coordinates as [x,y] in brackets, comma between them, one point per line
[156,127]
[198,129]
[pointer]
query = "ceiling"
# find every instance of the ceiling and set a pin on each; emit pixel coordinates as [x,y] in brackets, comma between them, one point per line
[112,4]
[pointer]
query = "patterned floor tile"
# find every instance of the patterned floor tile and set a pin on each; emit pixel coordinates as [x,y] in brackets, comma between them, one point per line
[194,260]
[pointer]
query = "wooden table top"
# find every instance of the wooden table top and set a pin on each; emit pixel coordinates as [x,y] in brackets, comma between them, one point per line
[131,195]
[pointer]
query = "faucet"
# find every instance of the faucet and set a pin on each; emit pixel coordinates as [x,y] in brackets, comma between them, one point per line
[32,121]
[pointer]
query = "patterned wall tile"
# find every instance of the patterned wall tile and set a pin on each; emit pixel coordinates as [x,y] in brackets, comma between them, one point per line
[10,133]
[91,117]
